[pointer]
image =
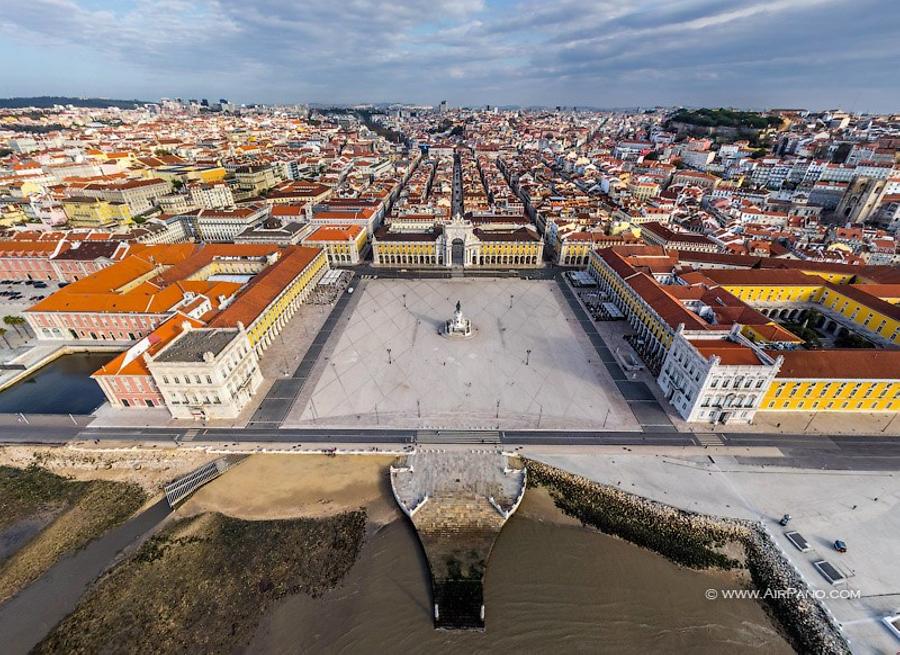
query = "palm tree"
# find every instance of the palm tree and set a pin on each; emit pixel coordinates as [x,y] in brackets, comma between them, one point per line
[15,322]
[3,336]
[19,320]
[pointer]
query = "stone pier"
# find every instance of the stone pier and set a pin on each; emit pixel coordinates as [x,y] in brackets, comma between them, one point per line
[458,502]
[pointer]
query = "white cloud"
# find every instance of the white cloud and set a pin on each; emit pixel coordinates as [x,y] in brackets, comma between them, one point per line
[566,51]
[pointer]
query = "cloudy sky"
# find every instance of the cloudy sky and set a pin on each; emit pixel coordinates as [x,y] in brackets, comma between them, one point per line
[751,53]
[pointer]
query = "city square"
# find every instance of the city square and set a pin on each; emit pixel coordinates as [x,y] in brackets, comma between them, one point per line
[527,364]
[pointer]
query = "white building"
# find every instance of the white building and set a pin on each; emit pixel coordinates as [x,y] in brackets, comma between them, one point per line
[712,379]
[222,225]
[212,196]
[208,373]
[698,159]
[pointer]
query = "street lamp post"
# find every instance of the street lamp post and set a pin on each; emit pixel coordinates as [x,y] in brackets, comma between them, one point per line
[510,300]
[527,356]
[389,355]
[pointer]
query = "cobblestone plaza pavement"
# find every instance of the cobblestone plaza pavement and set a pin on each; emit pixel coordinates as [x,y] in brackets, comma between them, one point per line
[389,366]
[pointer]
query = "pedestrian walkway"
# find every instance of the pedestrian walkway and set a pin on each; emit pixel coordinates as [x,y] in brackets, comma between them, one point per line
[709,439]
[458,436]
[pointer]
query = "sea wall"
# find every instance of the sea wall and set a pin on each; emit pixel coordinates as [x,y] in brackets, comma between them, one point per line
[697,541]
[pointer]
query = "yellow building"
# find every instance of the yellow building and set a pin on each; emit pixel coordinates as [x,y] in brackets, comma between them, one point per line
[187,173]
[761,286]
[842,380]
[94,212]
[575,248]
[20,187]
[12,213]
[414,249]
[859,306]
[253,180]
[209,174]
[267,305]
[643,189]
[653,314]
[857,380]
[519,248]
[855,304]
[342,244]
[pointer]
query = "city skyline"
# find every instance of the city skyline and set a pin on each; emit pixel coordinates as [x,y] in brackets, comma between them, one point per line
[812,53]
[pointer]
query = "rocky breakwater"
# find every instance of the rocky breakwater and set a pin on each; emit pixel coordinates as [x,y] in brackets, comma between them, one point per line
[458,503]
[702,542]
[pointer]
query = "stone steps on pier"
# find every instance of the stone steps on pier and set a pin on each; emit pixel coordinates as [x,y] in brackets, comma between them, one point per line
[449,515]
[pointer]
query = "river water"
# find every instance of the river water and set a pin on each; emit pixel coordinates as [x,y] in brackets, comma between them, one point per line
[551,586]
[30,615]
[64,386]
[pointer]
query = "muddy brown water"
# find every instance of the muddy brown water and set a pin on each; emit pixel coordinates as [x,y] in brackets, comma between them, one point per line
[21,532]
[29,616]
[551,586]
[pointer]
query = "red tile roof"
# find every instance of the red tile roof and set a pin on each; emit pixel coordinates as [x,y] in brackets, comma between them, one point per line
[266,286]
[838,364]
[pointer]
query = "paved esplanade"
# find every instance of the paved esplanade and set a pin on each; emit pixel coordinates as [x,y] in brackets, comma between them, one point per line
[458,502]
[527,363]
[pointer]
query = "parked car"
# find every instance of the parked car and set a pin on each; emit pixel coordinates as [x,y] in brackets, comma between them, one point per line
[840,546]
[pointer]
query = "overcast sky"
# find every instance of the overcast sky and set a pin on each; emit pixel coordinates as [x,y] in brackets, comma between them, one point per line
[607,53]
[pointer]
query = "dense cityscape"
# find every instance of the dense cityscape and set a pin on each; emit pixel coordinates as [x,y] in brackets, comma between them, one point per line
[751,254]
[341,366]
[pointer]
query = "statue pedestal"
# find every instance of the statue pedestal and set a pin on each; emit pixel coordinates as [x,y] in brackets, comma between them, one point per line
[453,328]
[458,326]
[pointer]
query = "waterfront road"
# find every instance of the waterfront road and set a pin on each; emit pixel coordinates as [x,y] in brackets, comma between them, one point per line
[856,452]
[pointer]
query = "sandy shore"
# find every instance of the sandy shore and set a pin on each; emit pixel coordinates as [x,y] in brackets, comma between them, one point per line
[151,468]
[292,486]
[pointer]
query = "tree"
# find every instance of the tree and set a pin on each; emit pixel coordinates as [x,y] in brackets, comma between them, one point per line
[15,322]
[851,340]
[3,336]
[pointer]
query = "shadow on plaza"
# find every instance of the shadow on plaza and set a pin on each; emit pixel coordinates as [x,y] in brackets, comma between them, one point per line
[427,321]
